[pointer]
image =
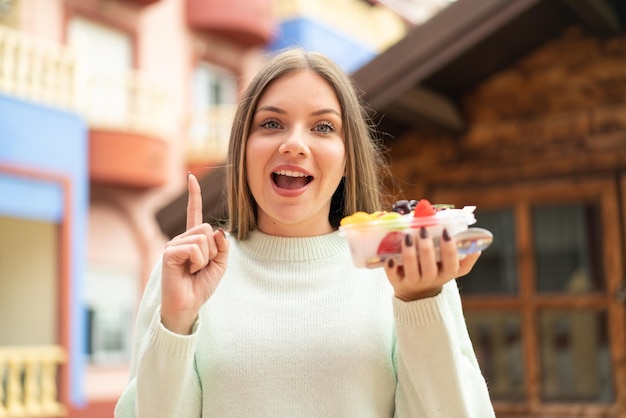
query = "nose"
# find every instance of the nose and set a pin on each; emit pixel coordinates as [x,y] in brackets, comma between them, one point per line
[295,143]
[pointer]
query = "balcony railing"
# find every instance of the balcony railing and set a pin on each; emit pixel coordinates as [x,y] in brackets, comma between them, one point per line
[128,129]
[209,133]
[128,114]
[28,381]
[35,69]
[42,71]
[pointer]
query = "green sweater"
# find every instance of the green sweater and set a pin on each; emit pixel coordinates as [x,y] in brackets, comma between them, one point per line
[294,330]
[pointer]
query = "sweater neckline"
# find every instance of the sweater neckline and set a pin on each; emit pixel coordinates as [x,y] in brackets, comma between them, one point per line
[276,248]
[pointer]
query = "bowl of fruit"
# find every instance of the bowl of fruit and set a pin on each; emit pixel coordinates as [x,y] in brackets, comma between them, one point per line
[375,237]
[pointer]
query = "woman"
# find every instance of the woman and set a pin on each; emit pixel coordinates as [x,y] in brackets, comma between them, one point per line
[291,328]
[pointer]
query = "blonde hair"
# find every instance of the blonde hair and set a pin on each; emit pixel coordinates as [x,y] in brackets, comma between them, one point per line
[361,188]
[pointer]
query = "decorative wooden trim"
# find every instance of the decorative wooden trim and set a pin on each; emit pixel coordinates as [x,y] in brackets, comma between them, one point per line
[429,47]
[598,15]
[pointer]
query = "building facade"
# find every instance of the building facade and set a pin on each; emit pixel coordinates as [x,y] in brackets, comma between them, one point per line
[105,105]
[524,116]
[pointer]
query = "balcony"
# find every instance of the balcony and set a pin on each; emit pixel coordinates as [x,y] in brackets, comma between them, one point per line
[208,136]
[126,159]
[127,122]
[28,381]
[36,70]
[249,22]
[126,113]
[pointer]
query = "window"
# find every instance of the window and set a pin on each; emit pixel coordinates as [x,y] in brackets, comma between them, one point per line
[212,87]
[497,271]
[111,297]
[104,61]
[214,94]
[545,326]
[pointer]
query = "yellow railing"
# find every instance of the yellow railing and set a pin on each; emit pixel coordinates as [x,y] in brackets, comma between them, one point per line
[28,381]
[129,102]
[36,69]
[209,133]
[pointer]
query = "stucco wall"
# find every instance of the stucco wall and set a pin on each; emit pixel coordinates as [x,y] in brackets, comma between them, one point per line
[44,178]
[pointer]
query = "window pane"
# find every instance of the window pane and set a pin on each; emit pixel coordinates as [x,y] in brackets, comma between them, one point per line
[212,87]
[575,358]
[496,270]
[104,56]
[567,248]
[214,95]
[111,297]
[497,340]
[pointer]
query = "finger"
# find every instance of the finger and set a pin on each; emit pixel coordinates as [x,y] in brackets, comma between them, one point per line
[182,254]
[391,269]
[222,245]
[449,256]
[194,202]
[465,265]
[409,258]
[426,250]
[197,259]
[201,240]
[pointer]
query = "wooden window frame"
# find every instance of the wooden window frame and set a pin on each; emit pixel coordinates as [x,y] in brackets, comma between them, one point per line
[528,303]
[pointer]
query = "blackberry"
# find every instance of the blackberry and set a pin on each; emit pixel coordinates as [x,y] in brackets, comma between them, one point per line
[402,207]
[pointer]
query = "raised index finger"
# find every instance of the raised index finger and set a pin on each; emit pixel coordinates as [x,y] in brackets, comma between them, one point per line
[194,202]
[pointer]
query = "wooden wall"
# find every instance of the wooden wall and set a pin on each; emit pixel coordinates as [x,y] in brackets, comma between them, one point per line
[559,111]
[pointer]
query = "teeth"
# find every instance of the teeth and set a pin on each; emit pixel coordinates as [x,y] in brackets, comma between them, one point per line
[290,173]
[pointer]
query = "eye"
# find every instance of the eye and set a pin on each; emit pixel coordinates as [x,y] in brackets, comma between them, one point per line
[324,127]
[271,124]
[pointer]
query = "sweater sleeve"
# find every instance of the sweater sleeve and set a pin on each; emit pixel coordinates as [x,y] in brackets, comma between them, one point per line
[163,381]
[438,374]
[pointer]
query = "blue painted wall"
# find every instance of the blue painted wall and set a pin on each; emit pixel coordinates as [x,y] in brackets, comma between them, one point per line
[313,35]
[50,140]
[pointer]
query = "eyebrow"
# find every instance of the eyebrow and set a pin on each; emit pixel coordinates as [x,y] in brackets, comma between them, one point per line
[270,109]
[283,112]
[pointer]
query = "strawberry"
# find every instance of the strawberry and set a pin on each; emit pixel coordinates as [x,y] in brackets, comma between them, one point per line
[423,208]
[391,243]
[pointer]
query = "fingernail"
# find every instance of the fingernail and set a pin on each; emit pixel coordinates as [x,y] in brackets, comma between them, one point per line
[408,240]
[188,174]
[423,233]
[445,235]
[222,232]
[390,263]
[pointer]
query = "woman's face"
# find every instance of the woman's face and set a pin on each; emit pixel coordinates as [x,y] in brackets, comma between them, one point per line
[295,155]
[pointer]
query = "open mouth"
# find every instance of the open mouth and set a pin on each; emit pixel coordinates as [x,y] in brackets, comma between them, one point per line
[291,180]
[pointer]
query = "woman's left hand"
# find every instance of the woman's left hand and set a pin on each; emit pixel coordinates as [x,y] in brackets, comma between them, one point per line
[420,275]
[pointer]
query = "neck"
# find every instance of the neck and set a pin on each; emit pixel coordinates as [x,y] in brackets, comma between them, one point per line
[309,229]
